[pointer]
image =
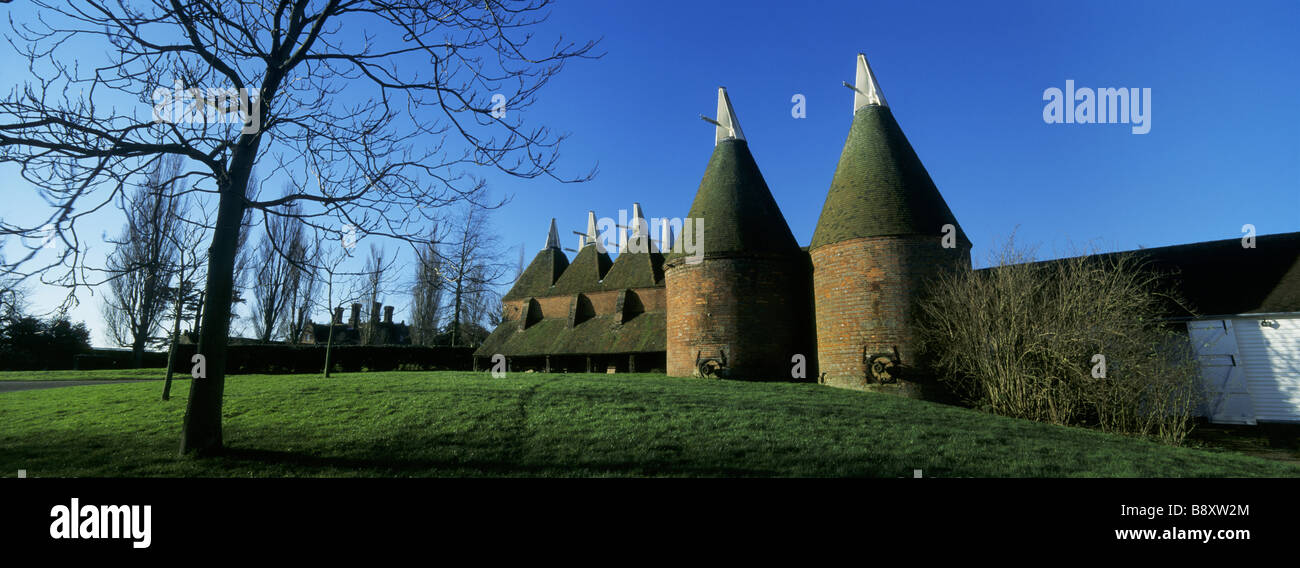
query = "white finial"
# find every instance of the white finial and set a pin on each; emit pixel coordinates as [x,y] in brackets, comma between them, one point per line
[639,240]
[727,127]
[866,91]
[552,237]
[593,233]
[639,227]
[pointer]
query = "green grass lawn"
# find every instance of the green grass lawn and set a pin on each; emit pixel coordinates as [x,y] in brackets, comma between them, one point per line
[468,424]
[102,375]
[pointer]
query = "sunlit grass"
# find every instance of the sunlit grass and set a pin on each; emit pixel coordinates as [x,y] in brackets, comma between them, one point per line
[469,424]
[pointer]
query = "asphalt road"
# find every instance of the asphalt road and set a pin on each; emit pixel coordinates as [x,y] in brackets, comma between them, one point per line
[10,386]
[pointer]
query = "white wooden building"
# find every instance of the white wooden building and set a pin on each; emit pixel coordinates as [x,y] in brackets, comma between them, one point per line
[1250,364]
[1245,324]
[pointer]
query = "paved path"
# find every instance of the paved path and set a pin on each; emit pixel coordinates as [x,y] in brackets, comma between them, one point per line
[10,386]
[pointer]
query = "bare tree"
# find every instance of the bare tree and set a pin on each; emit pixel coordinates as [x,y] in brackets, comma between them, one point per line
[426,296]
[278,268]
[339,286]
[305,285]
[11,293]
[143,261]
[241,284]
[470,267]
[378,278]
[191,258]
[397,99]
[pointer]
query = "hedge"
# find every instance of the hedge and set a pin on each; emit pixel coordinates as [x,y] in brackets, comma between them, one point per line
[278,358]
[273,358]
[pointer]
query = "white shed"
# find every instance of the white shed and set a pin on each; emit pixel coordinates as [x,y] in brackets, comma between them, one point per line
[1251,367]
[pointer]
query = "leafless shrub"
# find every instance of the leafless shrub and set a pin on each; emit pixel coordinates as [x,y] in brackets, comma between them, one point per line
[1075,341]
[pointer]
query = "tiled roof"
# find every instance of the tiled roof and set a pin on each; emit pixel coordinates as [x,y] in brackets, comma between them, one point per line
[1225,278]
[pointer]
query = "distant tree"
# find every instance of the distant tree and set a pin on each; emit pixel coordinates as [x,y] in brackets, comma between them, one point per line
[278,267]
[186,289]
[242,276]
[29,343]
[337,285]
[305,286]
[470,267]
[143,261]
[11,291]
[426,297]
[378,277]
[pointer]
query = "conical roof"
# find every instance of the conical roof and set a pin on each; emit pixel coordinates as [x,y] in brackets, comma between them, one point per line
[585,272]
[880,187]
[542,272]
[638,265]
[740,215]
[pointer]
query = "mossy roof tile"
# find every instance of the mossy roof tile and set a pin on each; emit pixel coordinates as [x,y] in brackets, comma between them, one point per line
[739,212]
[880,187]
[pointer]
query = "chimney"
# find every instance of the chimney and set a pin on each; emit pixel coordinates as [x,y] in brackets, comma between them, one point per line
[356,315]
[338,316]
[388,315]
[374,312]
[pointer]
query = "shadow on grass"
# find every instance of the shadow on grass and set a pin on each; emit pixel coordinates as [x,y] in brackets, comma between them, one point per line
[304,463]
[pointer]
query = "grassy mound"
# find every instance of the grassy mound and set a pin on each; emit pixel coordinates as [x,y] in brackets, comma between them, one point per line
[463,424]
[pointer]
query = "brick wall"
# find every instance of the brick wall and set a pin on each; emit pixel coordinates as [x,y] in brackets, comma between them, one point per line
[755,309]
[864,292]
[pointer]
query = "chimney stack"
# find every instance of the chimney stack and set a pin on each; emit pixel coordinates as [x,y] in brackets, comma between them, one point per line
[356,316]
[338,316]
[388,315]
[374,312]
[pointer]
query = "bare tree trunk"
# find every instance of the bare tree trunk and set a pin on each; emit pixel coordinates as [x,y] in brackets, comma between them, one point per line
[176,331]
[329,346]
[455,314]
[201,433]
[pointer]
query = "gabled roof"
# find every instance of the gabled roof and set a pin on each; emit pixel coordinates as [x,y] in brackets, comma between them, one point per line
[584,273]
[880,187]
[1219,278]
[1225,278]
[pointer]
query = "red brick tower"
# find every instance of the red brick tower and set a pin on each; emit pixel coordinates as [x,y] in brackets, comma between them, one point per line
[884,232]
[735,306]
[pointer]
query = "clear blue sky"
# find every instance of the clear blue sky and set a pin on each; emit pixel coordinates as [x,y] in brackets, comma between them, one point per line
[965,81]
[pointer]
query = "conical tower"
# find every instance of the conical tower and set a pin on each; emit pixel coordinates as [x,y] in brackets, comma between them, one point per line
[733,285]
[884,232]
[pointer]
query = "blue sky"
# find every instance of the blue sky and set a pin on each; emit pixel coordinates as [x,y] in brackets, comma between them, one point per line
[965,81]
